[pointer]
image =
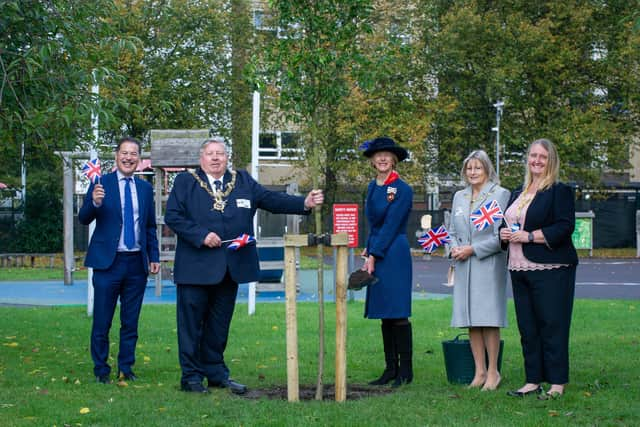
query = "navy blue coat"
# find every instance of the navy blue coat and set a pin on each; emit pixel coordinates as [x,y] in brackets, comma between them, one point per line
[190,215]
[552,211]
[108,217]
[390,297]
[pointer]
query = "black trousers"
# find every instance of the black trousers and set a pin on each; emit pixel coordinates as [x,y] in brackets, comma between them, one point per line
[544,302]
[204,315]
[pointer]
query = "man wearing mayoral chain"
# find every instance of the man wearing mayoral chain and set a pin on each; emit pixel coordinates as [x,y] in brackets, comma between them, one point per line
[207,207]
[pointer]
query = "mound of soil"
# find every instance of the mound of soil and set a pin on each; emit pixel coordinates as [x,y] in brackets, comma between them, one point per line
[308,392]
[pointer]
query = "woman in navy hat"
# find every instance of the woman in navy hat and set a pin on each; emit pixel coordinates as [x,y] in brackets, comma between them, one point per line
[387,255]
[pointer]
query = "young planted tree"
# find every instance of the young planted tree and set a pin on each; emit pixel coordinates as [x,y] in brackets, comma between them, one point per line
[312,62]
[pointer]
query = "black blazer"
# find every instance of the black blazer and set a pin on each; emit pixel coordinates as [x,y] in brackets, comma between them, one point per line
[552,211]
[190,215]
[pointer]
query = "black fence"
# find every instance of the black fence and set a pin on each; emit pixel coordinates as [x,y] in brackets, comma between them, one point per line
[613,226]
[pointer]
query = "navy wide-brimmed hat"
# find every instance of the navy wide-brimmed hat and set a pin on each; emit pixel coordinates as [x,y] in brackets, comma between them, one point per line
[384,143]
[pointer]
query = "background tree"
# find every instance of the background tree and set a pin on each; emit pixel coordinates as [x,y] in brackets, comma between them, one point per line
[565,71]
[389,97]
[241,88]
[179,79]
[50,55]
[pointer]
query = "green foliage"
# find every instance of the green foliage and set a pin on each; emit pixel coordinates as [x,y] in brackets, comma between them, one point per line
[241,29]
[390,94]
[564,70]
[47,53]
[177,78]
[40,230]
[313,63]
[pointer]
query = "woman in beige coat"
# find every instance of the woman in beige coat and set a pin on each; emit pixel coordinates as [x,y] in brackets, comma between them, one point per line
[479,295]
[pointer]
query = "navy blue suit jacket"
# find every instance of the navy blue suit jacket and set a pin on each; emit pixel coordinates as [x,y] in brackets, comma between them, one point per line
[190,215]
[108,217]
[552,211]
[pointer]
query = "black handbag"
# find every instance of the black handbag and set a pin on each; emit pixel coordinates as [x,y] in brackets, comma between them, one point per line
[359,279]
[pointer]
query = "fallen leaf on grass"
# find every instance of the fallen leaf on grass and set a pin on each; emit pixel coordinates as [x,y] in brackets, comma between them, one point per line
[44,391]
[553,413]
[77,382]
[123,383]
[84,410]
[13,337]
[10,344]
[587,394]
[146,359]
[162,409]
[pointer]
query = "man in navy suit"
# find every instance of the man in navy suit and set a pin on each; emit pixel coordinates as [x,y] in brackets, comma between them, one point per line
[122,252]
[206,207]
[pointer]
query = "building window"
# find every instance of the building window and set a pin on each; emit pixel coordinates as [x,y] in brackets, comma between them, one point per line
[279,145]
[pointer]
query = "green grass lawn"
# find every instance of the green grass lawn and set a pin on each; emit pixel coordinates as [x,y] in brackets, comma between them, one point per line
[35,274]
[46,372]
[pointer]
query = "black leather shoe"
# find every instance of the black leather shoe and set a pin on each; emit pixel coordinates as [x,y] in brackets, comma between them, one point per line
[104,379]
[193,388]
[127,377]
[234,387]
[516,393]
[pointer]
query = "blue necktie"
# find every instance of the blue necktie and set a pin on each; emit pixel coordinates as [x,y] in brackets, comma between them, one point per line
[218,184]
[129,233]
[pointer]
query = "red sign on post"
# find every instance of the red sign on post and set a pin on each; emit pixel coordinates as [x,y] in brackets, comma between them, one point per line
[345,220]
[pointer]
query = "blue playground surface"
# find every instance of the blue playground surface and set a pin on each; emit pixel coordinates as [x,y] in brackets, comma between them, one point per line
[55,293]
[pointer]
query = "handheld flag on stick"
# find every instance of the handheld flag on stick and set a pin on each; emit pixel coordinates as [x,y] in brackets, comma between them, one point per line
[486,215]
[434,238]
[240,241]
[91,169]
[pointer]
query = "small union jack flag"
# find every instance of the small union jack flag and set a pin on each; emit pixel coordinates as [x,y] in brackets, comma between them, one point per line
[240,241]
[91,169]
[434,238]
[486,215]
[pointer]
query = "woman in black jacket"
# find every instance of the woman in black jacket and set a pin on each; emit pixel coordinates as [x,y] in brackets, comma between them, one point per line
[540,219]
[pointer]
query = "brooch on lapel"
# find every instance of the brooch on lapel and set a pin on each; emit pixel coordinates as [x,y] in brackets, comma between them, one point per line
[391,193]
